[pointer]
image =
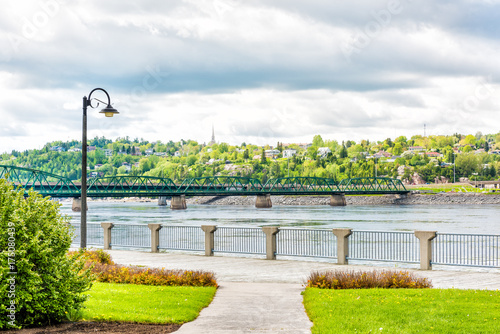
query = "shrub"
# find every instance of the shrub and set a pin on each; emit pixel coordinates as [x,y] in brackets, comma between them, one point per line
[93,256]
[365,280]
[38,282]
[152,276]
[107,271]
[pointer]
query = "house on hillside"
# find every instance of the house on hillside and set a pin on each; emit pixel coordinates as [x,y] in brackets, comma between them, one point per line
[323,152]
[57,149]
[415,149]
[382,154]
[433,154]
[289,153]
[273,154]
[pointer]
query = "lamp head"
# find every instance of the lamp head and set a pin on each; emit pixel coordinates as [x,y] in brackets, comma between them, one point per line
[109,111]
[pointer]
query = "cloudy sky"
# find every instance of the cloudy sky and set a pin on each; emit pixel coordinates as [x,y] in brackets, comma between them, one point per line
[260,71]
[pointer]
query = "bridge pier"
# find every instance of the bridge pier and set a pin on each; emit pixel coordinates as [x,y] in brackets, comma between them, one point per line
[401,196]
[338,200]
[263,201]
[77,205]
[178,202]
[162,201]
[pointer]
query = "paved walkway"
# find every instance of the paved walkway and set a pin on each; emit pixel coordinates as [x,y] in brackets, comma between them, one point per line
[262,296]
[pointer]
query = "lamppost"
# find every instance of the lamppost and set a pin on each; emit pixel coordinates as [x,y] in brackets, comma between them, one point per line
[109,111]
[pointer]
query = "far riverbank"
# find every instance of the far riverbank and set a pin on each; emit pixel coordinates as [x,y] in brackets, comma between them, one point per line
[410,199]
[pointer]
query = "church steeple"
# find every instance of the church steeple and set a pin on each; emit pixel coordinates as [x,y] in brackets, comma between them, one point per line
[213,136]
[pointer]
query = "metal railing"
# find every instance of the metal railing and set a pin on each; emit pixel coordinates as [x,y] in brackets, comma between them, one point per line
[306,243]
[476,250]
[189,238]
[439,248]
[384,246]
[131,235]
[245,240]
[95,234]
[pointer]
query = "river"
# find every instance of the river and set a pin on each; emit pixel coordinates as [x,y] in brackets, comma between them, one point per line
[469,219]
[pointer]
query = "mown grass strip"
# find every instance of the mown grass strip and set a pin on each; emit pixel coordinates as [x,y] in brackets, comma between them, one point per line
[146,304]
[403,310]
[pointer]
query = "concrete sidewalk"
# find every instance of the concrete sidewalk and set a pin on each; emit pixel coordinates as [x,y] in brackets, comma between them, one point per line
[253,307]
[263,296]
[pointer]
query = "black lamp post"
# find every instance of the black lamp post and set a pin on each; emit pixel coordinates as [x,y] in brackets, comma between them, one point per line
[109,111]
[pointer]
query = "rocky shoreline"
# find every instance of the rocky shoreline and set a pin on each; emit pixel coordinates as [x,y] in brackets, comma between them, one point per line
[410,199]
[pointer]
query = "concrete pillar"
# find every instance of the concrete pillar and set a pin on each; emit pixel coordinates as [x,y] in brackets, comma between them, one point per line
[270,232]
[263,201]
[337,200]
[401,196]
[178,202]
[425,238]
[107,234]
[77,205]
[209,238]
[342,235]
[155,237]
[162,201]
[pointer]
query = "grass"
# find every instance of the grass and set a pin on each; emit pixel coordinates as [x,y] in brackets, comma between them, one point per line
[146,304]
[403,310]
[447,187]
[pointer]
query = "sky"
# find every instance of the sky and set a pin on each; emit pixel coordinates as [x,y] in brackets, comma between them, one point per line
[258,71]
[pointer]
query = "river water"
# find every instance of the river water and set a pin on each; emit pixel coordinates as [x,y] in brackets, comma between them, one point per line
[468,219]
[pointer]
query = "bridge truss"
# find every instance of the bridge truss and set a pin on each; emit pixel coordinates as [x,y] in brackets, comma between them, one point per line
[49,184]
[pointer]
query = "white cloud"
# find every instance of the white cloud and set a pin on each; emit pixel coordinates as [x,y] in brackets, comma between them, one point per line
[260,71]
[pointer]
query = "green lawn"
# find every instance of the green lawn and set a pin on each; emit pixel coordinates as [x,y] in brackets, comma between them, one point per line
[403,311]
[456,187]
[145,303]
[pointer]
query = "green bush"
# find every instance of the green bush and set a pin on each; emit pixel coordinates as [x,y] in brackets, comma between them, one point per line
[385,279]
[39,284]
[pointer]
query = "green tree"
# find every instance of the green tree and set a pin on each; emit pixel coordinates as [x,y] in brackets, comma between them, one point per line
[263,158]
[467,149]
[34,240]
[397,149]
[466,164]
[470,140]
[318,141]
[191,160]
[343,152]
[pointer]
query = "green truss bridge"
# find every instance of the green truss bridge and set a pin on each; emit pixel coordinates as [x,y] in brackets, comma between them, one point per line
[54,185]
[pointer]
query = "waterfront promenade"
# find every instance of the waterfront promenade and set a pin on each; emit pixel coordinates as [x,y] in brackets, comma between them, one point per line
[261,296]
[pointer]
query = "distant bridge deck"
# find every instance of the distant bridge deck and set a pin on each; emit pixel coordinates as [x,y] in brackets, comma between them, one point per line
[54,185]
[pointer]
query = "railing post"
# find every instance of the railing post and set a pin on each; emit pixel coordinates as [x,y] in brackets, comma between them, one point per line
[209,238]
[155,237]
[270,232]
[425,238]
[342,235]
[107,234]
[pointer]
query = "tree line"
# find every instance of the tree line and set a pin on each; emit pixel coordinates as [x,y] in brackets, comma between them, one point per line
[465,155]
